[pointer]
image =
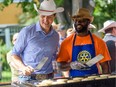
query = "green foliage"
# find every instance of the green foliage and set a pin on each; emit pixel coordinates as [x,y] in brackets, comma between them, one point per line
[6,76]
[28,7]
[104,10]
[59,2]
[3,52]
[29,13]
[7,2]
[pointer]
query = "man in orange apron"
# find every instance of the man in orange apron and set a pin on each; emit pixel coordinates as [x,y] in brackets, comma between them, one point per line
[77,49]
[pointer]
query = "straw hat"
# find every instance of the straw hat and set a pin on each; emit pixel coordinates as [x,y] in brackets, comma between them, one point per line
[48,7]
[83,13]
[108,24]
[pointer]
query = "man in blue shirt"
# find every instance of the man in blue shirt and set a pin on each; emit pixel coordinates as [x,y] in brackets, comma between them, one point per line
[36,42]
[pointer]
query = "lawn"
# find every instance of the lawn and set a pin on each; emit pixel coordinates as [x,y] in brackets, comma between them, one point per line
[6,76]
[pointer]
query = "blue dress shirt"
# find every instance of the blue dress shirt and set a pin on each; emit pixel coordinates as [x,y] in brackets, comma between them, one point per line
[33,45]
[109,36]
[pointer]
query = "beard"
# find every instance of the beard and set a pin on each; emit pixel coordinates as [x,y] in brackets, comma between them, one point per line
[80,28]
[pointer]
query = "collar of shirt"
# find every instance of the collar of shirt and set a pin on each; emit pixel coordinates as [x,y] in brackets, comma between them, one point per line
[109,34]
[38,28]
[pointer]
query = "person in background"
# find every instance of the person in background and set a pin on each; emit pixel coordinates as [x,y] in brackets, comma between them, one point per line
[37,44]
[109,29]
[55,26]
[82,46]
[14,71]
[62,33]
[70,31]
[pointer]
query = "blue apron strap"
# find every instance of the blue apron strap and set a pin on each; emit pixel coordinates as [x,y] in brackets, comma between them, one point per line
[73,44]
[74,39]
[91,37]
[92,41]
[89,34]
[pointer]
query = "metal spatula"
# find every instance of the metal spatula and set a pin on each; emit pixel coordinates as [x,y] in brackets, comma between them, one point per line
[95,60]
[42,62]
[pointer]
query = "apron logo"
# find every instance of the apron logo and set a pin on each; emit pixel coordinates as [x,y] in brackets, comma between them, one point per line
[83,56]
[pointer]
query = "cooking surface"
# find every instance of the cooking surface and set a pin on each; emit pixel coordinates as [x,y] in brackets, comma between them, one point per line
[89,81]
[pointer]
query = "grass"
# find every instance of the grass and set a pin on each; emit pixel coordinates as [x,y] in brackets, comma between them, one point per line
[6,76]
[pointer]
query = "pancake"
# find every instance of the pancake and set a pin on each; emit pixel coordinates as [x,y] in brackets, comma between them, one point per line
[78,78]
[46,83]
[87,79]
[98,78]
[104,75]
[92,77]
[112,76]
[71,81]
[58,82]
[42,84]
[61,80]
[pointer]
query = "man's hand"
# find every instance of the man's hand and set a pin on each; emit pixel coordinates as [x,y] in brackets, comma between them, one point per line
[64,66]
[77,65]
[27,70]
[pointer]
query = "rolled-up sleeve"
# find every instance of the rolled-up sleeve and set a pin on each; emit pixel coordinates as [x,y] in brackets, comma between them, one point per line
[20,43]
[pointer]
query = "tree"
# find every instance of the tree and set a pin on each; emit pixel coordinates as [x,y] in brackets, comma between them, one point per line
[104,10]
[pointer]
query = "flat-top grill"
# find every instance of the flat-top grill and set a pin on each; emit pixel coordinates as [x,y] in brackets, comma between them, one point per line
[88,81]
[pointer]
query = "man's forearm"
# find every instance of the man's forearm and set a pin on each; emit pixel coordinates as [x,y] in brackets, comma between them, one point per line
[106,68]
[17,62]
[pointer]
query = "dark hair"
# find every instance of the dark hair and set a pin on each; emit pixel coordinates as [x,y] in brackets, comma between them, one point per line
[54,14]
[109,30]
